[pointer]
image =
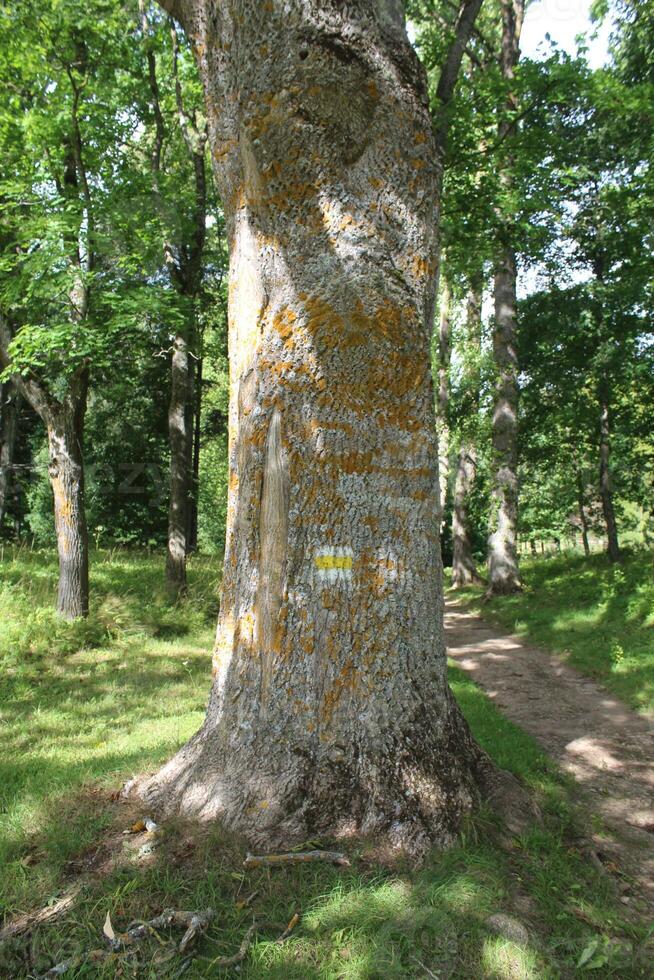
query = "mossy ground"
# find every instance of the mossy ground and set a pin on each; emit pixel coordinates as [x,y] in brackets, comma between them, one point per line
[86,706]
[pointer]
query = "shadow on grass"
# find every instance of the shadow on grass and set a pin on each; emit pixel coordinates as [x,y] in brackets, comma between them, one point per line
[371,921]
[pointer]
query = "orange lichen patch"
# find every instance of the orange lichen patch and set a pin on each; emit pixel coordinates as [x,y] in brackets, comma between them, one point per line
[420,138]
[284,322]
[372,89]
[417,163]
[420,266]
[233,481]
[307,644]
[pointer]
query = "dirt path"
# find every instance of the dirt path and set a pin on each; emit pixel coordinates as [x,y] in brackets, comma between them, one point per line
[606,747]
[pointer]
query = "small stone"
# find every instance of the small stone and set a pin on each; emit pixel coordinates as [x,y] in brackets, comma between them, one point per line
[508,927]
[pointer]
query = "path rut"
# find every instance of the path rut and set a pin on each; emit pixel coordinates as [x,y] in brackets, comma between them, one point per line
[591,734]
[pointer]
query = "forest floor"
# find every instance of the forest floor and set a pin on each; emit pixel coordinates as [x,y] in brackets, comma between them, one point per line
[85,706]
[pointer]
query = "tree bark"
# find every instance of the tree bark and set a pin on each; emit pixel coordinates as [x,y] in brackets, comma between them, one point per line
[464,571]
[606,490]
[443,396]
[66,471]
[582,514]
[9,405]
[180,435]
[330,710]
[503,571]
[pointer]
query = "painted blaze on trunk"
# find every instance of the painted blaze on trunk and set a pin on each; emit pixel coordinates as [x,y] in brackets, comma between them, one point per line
[330,709]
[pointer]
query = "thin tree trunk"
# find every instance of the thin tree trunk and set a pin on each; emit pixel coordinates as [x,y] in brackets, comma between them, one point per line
[443,396]
[330,710]
[9,406]
[180,435]
[582,513]
[503,571]
[66,471]
[184,266]
[464,571]
[606,490]
[192,541]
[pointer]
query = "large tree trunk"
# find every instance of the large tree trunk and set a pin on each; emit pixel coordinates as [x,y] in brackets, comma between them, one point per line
[443,395]
[464,571]
[66,471]
[180,436]
[503,572]
[330,709]
[9,405]
[606,490]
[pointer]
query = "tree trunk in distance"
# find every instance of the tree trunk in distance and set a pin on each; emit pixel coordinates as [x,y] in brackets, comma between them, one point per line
[66,471]
[192,538]
[464,571]
[503,572]
[606,491]
[180,436]
[443,397]
[582,514]
[330,711]
[9,403]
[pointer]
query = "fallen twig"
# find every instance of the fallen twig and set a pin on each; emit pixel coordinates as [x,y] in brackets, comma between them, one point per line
[299,857]
[224,961]
[289,928]
[27,922]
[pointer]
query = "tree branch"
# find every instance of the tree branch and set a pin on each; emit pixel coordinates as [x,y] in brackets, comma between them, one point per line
[463,26]
[35,393]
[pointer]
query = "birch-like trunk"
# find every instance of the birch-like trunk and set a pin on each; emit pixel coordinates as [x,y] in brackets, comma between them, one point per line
[503,572]
[606,489]
[443,394]
[583,520]
[464,571]
[66,471]
[9,402]
[180,436]
[330,709]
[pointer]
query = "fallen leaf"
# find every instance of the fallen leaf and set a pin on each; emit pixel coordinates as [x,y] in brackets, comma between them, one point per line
[108,929]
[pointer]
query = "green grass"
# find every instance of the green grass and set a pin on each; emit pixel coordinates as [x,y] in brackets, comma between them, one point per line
[598,617]
[84,707]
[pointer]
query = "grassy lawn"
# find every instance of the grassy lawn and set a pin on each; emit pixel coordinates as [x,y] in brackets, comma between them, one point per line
[599,618]
[86,706]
